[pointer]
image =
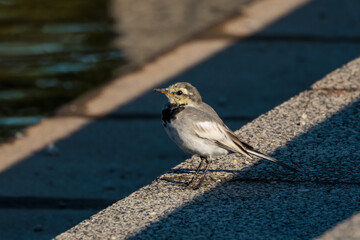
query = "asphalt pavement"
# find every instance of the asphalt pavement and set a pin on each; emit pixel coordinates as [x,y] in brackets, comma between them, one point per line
[109,145]
[241,199]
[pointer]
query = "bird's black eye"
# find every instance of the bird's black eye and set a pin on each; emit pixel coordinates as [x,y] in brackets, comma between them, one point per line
[179,92]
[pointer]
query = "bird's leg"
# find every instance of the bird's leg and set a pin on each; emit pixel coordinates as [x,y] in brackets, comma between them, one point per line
[197,170]
[204,172]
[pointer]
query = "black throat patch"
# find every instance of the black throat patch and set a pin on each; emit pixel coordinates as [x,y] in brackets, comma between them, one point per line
[170,111]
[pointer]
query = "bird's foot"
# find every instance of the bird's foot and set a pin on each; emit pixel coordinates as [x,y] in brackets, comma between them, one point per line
[193,186]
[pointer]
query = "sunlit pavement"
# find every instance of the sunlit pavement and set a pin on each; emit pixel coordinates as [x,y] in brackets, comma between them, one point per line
[241,77]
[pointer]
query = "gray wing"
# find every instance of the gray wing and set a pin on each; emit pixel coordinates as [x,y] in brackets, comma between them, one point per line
[209,110]
[210,127]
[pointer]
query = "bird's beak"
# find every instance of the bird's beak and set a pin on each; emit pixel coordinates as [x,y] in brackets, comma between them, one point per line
[163,90]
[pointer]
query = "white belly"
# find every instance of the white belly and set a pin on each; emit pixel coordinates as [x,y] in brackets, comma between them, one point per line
[191,143]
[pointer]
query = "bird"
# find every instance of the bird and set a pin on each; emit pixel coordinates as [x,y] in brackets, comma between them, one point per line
[197,129]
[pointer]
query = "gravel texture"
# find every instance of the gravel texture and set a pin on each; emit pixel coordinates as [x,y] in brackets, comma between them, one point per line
[345,78]
[316,131]
[75,163]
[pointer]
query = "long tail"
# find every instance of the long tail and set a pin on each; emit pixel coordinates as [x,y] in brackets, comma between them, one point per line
[246,149]
[271,159]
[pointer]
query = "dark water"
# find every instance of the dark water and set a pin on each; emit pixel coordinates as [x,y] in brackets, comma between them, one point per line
[51,52]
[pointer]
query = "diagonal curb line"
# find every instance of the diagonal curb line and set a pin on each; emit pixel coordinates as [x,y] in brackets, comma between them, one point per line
[273,132]
[133,84]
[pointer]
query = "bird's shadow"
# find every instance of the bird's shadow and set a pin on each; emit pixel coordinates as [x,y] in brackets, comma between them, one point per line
[274,204]
[264,71]
[181,175]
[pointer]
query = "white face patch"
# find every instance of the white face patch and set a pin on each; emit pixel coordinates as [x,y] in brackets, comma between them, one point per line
[185,91]
[179,99]
[183,94]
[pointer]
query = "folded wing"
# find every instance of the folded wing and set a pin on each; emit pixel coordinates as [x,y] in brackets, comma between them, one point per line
[221,135]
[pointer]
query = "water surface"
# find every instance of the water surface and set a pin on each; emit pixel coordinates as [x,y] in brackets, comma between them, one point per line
[50,53]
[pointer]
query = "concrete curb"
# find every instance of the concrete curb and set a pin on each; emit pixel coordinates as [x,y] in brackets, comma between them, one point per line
[153,211]
[99,102]
[316,132]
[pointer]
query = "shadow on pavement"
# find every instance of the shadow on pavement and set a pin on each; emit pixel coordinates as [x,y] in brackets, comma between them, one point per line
[273,204]
[108,159]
